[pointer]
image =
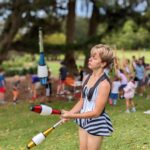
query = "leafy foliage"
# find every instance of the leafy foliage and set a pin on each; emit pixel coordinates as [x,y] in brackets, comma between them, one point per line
[20,65]
[130,36]
[55,39]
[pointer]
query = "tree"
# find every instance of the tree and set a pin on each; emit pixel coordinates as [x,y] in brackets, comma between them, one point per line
[92,29]
[70,29]
[11,26]
[131,36]
[23,17]
[23,14]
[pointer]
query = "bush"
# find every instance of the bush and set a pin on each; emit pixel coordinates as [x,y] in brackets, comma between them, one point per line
[23,71]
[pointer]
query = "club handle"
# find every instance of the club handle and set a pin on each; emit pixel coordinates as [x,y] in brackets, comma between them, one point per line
[41,40]
[58,123]
[56,112]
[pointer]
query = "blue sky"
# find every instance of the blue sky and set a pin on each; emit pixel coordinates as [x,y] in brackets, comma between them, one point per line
[82,10]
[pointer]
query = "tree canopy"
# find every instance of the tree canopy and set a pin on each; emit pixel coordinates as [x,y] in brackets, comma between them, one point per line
[124,23]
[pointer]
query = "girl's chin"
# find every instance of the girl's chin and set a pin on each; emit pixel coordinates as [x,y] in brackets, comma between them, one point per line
[89,66]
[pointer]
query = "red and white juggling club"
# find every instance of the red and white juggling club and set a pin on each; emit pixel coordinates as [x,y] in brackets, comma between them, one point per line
[45,110]
[39,138]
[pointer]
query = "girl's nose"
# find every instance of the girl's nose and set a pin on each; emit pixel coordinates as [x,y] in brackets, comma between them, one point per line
[90,58]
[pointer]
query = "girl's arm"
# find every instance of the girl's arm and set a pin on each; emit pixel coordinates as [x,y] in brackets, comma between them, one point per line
[77,107]
[99,106]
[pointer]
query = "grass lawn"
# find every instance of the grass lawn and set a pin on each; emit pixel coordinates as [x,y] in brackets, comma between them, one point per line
[129,54]
[18,125]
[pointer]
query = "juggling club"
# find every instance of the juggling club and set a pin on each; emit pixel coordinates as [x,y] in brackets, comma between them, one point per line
[42,67]
[39,138]
[45,110]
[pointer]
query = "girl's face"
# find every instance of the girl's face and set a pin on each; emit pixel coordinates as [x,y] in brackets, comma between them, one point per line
[94,61]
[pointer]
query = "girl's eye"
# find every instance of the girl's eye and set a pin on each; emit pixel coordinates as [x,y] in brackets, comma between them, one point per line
[95,57]
[92,56]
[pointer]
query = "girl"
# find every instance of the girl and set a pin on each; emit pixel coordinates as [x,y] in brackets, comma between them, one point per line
[140,74]
[115,90]
[124,81]
[129,92]
[127,68]
[62,77]
[15,91]
[89,111]
[48,87]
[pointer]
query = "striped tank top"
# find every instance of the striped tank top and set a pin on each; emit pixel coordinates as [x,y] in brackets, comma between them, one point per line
[98,126]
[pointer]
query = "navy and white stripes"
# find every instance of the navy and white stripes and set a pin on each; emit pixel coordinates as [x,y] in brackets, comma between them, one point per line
[100,126]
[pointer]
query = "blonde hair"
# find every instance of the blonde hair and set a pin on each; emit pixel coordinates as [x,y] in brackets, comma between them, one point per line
[105,53]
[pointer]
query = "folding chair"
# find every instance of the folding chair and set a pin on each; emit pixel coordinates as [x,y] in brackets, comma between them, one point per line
[73,86]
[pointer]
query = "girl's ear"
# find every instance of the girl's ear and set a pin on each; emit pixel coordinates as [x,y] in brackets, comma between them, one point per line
[103,64]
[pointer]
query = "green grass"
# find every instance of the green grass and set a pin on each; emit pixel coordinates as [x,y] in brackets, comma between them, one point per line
[18,125]
[129,54]
[54,67]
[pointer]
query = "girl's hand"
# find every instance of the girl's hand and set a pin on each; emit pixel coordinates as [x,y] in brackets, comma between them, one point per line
[64,111]
[62,116]
[65,114]
[65,120]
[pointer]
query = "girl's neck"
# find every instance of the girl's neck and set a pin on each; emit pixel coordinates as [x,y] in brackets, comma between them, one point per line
[97,73]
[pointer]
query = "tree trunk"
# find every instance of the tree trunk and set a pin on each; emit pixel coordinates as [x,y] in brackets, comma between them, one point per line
[70,24]
[70,30]
[93,24]
[70,63]
[11,28]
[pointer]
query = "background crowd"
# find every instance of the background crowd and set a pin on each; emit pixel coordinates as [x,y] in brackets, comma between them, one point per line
[128,76]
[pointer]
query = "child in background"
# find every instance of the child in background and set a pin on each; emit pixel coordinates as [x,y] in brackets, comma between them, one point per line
[35,81]
[81,73]
[124,81]
[62,77]
[126,66]
[29,85]
[140,73]
[16,84]
[114,91]
[48,86]
[148,85]
[129,92]
[2,87]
